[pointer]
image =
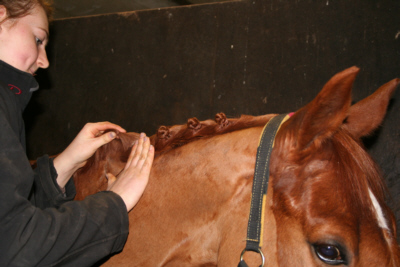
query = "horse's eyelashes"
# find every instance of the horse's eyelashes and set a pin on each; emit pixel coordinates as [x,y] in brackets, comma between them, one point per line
[330,254]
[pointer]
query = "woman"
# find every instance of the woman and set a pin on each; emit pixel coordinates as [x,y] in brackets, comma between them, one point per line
[40,225]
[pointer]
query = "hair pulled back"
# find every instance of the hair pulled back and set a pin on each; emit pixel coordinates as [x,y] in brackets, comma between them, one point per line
[20,8]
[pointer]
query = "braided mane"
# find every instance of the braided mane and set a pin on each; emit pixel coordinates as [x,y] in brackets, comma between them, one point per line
[171,137]
[112,156]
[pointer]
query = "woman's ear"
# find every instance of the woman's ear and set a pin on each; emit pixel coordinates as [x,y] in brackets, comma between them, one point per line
[3,15]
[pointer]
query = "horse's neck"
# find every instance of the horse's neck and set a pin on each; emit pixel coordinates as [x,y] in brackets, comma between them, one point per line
[196,195]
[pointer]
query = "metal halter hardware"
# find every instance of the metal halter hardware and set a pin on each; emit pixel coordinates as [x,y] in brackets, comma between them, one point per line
[260,185]
[258,251]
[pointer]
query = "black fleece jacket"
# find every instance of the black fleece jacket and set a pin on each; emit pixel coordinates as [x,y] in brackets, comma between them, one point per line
[39,225]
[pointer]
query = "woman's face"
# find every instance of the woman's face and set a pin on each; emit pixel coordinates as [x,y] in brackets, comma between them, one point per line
[23,41]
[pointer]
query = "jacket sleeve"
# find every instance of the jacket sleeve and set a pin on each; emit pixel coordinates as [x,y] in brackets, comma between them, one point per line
[45,191]
[59,233]
[76,234]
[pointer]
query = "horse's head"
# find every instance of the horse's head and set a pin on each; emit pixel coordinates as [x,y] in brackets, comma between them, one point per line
[328,195]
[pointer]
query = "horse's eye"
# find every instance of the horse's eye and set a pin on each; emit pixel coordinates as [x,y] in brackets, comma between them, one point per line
[330,254]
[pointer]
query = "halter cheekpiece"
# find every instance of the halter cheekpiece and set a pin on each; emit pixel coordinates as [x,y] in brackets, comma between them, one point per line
[260,185]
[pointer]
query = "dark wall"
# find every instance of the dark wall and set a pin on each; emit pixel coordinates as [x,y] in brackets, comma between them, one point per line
[149,68]
[79,8]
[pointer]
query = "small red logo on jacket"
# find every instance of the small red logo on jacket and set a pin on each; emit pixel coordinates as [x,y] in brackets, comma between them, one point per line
[14,88]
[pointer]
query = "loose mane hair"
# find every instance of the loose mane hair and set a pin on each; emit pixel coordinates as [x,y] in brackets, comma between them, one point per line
[357,169]
[360,175]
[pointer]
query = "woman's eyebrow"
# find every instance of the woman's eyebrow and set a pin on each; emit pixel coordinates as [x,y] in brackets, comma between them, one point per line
[46,31]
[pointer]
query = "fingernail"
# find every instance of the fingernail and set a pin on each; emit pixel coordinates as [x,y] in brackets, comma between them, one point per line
[112,135]
[142,135]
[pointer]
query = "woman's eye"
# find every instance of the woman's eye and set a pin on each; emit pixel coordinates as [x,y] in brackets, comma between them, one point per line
[38,41]
[330,254]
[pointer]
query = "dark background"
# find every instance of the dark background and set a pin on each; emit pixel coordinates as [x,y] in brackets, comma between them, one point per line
[79,8]
[142,69]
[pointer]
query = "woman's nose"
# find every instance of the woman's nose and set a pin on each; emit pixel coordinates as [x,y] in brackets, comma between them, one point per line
[42,60]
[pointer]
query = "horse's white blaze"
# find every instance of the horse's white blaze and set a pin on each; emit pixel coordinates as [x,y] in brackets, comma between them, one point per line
[378,211]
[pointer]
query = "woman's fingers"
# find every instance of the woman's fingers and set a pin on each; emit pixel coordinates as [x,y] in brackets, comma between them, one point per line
[144,153]
[133,179]
[139,152]
[98,127]
[148,161]
[94,133]
[102,138]
[110,180]
[139,149]
[132,154]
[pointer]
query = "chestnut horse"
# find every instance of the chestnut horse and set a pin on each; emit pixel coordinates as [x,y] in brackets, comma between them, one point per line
[325,202]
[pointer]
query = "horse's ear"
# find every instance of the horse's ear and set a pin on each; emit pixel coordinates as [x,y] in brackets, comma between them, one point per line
[322,117]
[367,115]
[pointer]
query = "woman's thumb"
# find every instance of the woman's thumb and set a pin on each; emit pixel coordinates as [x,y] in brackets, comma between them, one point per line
[106,138]
[111,180]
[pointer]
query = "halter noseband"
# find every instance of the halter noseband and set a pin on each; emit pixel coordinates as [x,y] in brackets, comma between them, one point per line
[260,185]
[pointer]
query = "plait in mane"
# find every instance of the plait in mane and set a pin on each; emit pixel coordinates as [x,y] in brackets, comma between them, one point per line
[174,136]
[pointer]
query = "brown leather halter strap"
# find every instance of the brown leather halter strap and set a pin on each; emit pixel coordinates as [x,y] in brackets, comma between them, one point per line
[260,185]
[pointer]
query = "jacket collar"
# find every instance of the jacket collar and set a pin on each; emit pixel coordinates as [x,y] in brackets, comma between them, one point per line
[20,83]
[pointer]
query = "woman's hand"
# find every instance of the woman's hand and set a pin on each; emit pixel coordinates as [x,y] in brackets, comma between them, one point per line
[133,179]
[89,139]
